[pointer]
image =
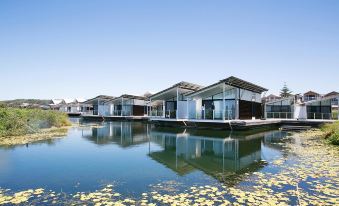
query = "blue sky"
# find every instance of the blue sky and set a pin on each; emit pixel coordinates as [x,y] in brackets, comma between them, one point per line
[78,48]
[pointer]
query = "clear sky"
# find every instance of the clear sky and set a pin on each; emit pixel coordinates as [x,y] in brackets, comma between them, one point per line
[78,48]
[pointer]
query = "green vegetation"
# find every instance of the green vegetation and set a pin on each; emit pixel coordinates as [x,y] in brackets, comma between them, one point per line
[19,102]
[335,114]
[331,132]
[285,91]
[17,122]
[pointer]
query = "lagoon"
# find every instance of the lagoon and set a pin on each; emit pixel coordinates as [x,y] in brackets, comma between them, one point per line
[137,158]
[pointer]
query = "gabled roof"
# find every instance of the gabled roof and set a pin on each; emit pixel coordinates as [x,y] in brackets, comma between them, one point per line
[311,93]
[182,85]
[57,101]
[127,96]
[80,100]
[68,101]
[100,97]
[334,93]
[272,96]
[235,82]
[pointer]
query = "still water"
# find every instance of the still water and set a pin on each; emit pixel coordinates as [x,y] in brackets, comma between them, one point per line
[135,155]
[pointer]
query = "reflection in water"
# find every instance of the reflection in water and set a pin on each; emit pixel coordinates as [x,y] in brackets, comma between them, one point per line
[124,134]
[187,151]
[219,157]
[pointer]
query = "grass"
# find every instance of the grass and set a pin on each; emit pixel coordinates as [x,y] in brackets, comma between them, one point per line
[335,114]
[16,122]
[331,132]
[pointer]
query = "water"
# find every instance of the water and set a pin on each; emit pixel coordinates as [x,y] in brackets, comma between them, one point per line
[135,155]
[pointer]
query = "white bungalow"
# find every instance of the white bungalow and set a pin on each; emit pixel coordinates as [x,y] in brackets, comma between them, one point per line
[77,106]
[56,104]
[230,98]
[100,108]
[171,102]
[285,108]
[127,105]
[295,107]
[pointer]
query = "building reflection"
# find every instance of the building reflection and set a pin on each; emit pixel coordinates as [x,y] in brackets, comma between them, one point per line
[223,155]
[183,152]
[124,134]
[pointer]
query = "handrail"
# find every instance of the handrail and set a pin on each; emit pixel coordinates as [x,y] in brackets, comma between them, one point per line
[279,115]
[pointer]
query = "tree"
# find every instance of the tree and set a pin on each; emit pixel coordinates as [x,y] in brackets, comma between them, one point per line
[285,91]
[147,94]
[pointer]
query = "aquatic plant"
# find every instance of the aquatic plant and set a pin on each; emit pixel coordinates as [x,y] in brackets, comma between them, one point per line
[306,175]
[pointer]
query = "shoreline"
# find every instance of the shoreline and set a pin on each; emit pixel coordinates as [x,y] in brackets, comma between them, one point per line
[43,134]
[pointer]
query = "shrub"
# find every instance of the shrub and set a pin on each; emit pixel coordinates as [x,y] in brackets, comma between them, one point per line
[15,121]
[331,132]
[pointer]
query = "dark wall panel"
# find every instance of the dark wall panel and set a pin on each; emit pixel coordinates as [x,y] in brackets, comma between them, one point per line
[247,109]
[138,110]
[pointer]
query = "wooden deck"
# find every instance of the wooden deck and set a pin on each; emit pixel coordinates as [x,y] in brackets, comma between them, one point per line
[237,124]
[113,118]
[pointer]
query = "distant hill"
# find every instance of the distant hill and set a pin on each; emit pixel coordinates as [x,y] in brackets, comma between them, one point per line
[20,102]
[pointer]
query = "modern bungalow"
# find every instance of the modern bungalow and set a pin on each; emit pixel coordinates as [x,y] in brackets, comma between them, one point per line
[311,95]
[283,109]
[229,99]
[334,98]
[128,105]
[56,104]
[295,107]
[99,106]
[171,102]
[271,98]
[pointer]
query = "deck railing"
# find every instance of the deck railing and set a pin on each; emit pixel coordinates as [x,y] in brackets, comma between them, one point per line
[122,113]
[169,114]
[156,113]
[279,115]
[316,115]
[214,115]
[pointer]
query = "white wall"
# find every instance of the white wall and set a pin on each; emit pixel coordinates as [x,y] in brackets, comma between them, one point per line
[300,112]
[139,102]
[182,109]
[105,110]
[247,96]
[192,107]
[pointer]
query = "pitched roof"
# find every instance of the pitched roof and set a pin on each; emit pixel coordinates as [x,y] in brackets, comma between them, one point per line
[100,97]
[334,93]
[181,85]
[68,101]
[272,96]
[80,100]
[236,82]
[311,93]
[57,101]
[127,96]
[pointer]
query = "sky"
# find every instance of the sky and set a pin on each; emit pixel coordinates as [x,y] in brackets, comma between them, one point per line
[78,48]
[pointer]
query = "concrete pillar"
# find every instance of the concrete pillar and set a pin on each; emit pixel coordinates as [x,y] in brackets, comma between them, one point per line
[98,107]
[237,106]
[187,115]
[177,103]
[122,105]
[164,109]
[223,101]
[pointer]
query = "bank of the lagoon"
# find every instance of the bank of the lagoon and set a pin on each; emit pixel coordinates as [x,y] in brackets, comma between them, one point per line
[135,163]
[331,132]
[21,126]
